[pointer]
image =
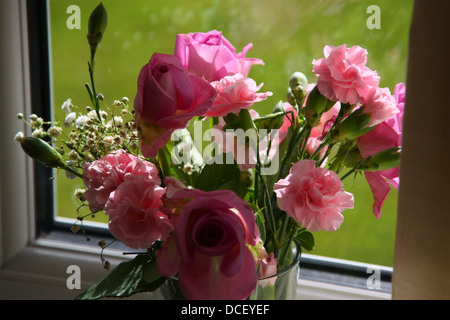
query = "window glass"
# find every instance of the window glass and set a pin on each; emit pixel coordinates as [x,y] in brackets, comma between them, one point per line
[287,35]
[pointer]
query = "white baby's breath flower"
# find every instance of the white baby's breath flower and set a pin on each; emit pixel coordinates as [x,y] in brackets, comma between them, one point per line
[117,122]
[19,136]
[70,119]
[108,140]
[93,114]
[67,106]
[38,133]
[54,131]
[69,174]
[82,122]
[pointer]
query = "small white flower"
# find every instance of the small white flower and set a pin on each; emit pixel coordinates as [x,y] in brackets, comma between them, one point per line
[38,133]
[108,140]
[70,119]
[82,122]
[117,122]
[54,131]
[67,106]
[92,114]
[19,136]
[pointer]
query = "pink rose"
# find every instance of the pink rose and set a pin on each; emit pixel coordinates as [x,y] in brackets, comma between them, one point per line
[343,75]
[385,135]
[379,104]
[211,56]
[134,213]
[235,93]
[314,197]
[167,98]
[211,238]
[104,175]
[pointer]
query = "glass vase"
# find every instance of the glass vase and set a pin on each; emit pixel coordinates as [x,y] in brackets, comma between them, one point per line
[283,284]
[280,286]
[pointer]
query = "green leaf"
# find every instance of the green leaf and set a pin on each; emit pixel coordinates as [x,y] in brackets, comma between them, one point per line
[306,240]
[128,278]
[221,176]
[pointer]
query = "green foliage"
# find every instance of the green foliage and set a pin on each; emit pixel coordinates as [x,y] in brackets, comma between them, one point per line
[128,278]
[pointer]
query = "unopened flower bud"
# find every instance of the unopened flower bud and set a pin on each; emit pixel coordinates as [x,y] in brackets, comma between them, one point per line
[352,127]
[41,151]
[290,97]
[299,86]
[19,136]
[97,25]
[383,160]
[100,97]
[316,105]
[20,116]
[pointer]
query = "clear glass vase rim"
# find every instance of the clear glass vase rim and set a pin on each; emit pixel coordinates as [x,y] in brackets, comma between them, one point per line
[294,263]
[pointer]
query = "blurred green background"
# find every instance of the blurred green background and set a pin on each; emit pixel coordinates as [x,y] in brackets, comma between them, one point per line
[286,34]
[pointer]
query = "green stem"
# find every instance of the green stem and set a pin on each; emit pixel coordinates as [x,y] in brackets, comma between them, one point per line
[351,171]
[287,248]
[96,101]
[79,175]
[165,167]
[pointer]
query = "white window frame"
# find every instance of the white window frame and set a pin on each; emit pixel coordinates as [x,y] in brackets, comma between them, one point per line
[35,268]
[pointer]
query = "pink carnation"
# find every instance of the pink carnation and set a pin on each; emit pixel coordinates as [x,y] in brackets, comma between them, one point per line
[343,75]
[134,213]
[103,176]
[235,93]
[314,197]
[211,56]
[385,135]
[380,105]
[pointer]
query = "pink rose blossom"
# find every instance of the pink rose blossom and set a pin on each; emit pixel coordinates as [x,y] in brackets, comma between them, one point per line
[314,197]
[103,176]
[167,98]
[211,237]
[134,213]
[380,105]
[235,93]
[211,56]
[343,75]
[385,135]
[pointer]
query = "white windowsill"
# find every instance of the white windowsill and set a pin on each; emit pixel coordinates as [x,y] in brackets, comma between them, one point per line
[39,272]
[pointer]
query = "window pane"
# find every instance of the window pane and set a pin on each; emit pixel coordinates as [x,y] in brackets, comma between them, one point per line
[287,35]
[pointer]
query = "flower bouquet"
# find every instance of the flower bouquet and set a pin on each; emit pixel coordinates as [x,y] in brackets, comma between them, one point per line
[218,221]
